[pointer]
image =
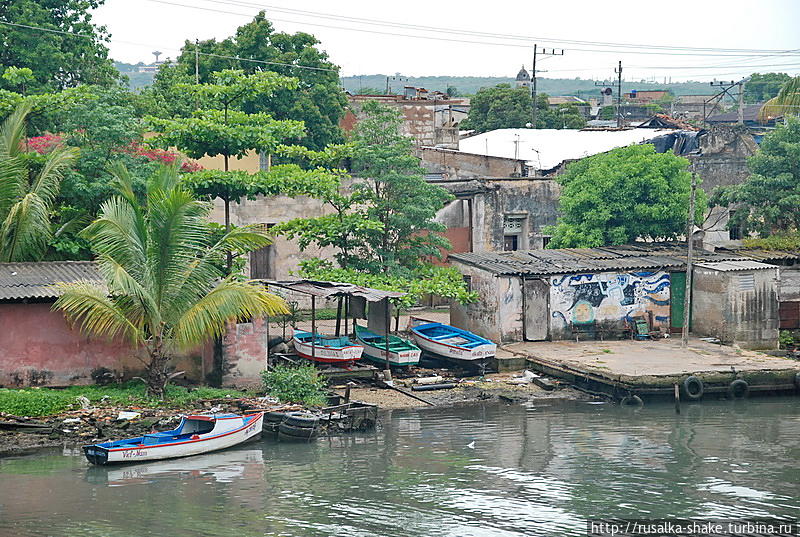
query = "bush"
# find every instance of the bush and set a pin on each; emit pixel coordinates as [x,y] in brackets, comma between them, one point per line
[295,384]
[786,339]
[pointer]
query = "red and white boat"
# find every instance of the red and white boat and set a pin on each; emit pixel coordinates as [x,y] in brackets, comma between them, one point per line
[326,349]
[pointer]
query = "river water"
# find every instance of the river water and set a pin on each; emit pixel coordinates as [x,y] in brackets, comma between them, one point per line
[484,470]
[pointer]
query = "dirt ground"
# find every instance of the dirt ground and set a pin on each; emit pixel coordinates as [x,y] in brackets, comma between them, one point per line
[495,386]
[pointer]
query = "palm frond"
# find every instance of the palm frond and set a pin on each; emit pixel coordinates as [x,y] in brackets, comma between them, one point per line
[47,182]
[121,283]
[25,232]
[88,305]
[787,102]
[13,179]
[228,301]
[116,234]
[13,131]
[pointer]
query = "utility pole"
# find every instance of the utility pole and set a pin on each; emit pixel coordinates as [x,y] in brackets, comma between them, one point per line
[536,52]
[196,72]
[740,115]
[619,94]
[725,88]
[687,304]
[618,84]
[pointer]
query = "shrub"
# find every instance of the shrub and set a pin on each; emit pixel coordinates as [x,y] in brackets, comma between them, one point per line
[295,384]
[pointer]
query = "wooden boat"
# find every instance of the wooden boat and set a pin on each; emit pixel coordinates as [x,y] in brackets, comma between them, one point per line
[448,342]
[327,349]
[194,435]
[401,351]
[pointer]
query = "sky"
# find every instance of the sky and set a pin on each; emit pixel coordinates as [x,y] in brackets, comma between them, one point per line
[470,38]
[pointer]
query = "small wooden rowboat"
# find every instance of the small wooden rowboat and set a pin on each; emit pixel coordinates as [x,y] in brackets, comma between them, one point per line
[448,342]
[401,351]
[326,349]
[194,435]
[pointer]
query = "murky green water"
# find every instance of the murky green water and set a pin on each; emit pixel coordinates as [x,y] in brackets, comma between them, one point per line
[536,470]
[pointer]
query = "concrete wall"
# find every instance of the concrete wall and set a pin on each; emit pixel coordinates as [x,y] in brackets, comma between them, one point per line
[607,297]
[723,157]
[459,165]
[736,306]
[497,314]
[244,350]
[40,349]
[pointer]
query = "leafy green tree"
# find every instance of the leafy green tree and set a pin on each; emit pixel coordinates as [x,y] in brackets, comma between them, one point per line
[370,91]
[317,101]
[56,60]
[768,202]
[27,192]
[17,78]
[626,194]
[453,91]
[763,87]
[396,194]
[163,288]
[500,107]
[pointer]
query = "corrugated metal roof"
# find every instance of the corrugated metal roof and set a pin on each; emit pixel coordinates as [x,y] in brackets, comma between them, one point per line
[37,280]
[767,255]
[326,289]
[744,264]
[577,260]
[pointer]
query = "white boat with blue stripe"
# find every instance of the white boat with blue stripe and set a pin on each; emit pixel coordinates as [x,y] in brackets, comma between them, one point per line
[195,435]
[448,342]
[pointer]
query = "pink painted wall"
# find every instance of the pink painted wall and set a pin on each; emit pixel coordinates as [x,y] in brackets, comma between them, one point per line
[245,350]
[38,348]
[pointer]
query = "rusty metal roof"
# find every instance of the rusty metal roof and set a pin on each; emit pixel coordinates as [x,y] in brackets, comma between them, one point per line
[37,280]
[767,255]
[326,289]
[578,260]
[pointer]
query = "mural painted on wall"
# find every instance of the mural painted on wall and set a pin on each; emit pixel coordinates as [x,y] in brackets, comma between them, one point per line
[584,298]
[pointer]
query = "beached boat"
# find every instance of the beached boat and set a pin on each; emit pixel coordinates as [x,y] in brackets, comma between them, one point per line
[401,351]
[194,435]
[326,349]
[448,342]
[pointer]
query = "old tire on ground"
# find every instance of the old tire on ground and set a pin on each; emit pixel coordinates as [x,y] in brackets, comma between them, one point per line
[631,400]
[301,419]
[693,388]
[295,432]
[738,389]
[274,416]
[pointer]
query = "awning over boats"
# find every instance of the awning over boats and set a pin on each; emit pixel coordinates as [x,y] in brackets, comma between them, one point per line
[328,289]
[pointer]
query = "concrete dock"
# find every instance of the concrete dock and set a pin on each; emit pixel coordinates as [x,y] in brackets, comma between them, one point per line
[653,368]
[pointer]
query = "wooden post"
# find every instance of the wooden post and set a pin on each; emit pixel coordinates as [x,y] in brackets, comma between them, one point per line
[338,316]
[266,364]
[346,314]
[313,328]
[677,399]
[387,322]
[347,391]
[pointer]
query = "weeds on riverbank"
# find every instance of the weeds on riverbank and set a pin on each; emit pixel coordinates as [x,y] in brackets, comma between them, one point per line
[295,384]
[35,402]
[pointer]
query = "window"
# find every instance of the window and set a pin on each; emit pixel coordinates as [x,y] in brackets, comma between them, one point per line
[545,241]
[734,231]
[468,282]
[262,261]
[511,243]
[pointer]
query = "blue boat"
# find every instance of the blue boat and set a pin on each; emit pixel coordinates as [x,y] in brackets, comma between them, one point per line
[448,342]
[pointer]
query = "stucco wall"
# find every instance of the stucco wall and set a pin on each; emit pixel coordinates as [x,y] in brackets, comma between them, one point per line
[607,297]
[746,315]
[37,347]
[460,165]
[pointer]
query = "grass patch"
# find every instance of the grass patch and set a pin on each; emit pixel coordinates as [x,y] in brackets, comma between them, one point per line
[295,384]
[47,401]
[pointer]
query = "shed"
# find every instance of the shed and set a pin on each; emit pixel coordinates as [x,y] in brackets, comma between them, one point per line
[536,295]
[737,302]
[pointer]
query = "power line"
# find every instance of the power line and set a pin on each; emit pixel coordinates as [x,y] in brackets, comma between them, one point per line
[222,56]
[666,51]
[376,22]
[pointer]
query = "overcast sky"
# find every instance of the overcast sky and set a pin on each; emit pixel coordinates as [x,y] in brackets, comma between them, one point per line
[462,47]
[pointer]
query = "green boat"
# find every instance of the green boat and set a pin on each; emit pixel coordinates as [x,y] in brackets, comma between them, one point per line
[401,351]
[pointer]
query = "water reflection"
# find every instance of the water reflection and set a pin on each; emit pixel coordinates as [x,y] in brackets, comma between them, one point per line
[489,470]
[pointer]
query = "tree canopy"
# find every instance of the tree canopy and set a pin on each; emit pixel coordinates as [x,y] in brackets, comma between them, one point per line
[317,100]
[768,202]
[504,107]
[626,194]
[763,87]
[55,60]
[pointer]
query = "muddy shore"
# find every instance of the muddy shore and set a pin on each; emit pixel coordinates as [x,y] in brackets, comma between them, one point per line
[99,424]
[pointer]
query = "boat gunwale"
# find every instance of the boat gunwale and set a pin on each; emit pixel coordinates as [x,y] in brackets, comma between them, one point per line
[255,417]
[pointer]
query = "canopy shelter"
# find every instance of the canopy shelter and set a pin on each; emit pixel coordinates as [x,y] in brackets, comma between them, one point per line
[351,297]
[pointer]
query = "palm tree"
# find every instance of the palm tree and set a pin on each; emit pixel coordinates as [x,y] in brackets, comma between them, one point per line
[787,102]
[164,286]
[26,198]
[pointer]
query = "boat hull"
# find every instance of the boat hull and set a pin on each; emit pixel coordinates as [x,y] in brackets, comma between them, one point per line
[400,359]
[451,352]
[328,355]
[250,429]
[450,343]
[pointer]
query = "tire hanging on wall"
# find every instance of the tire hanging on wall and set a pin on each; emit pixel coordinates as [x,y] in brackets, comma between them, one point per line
[738,389]
[693,388]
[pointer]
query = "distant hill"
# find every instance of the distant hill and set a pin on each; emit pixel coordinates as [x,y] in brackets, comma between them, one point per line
[136,80]
[552,86]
